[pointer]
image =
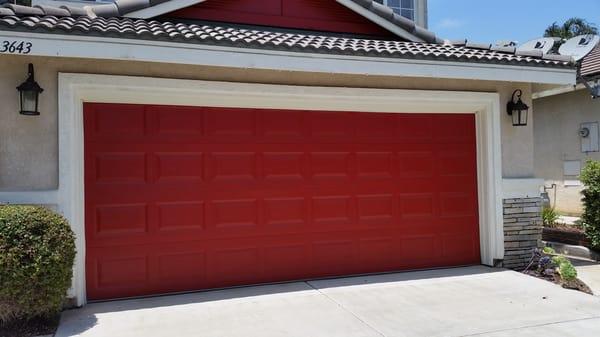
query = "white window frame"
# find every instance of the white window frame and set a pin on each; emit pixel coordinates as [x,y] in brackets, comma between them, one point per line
[400,8]
[75,89]
[72,3]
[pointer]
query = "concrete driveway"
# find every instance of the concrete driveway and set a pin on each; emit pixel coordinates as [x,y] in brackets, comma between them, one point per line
[472,301]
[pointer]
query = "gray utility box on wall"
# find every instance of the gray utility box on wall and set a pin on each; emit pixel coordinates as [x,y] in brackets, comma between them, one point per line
[589,137]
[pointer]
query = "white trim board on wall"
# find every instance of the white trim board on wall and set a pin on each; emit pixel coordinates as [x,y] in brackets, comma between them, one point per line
[558,91]
[75,89]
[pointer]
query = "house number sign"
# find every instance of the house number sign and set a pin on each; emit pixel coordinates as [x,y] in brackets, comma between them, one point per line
[15,47]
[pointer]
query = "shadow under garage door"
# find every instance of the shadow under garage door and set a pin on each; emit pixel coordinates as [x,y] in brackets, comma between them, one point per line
[186,198]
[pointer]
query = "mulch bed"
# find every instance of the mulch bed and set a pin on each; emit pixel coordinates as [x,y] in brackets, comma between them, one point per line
[29,328]
[566,234]
[576,284]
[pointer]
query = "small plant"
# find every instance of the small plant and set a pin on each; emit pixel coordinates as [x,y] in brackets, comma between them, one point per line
[566,271]
[37,251]
[549,263]
[549,251]
[545,266]
[559,259]
[564,267]
[555,268]
[549,217]
[590,176]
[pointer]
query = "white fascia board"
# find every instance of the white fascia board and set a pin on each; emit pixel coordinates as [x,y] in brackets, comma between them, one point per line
[162,8]
[558,91]
[379,20]
[73,46]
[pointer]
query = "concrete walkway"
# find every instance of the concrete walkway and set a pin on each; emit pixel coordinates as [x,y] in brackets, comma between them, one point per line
[568,220]
[590,275]
[474,301]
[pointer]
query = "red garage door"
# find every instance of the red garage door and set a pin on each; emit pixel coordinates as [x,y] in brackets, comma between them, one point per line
[185,198]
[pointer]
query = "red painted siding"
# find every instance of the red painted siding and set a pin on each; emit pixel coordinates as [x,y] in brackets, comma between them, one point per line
[321,15]
[186,198]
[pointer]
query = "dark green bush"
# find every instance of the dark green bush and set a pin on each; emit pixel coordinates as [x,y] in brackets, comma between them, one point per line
[590,176]
[37,251]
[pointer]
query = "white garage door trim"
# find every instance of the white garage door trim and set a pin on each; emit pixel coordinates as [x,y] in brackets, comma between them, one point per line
[74,89]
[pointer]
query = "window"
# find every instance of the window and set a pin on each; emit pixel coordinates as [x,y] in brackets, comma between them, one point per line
[406,8]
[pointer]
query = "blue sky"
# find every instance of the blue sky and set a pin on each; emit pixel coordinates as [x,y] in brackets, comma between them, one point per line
[517,20]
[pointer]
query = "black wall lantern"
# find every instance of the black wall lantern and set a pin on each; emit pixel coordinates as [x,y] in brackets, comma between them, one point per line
[518,110]
[29,94]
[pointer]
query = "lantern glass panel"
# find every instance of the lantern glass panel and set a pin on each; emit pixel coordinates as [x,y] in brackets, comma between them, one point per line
[29,99]
[523,117]
[516,117]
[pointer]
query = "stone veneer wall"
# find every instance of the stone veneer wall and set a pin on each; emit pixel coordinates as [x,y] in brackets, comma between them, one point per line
[522,230]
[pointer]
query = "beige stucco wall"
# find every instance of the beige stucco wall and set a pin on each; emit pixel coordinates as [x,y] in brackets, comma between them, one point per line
[557,123]
[29,145]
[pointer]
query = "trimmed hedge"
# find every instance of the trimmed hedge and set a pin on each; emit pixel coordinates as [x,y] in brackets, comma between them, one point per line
[37,252]
[590,176]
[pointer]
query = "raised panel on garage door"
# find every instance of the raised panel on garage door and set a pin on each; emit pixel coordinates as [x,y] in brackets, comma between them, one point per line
[189,198]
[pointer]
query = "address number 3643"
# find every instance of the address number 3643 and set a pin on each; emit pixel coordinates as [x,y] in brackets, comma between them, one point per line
[15,47]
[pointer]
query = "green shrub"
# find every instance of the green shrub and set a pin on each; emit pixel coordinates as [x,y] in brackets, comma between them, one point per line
[549,217]
[567,271]
[37,251]
[590,176]
[549,251]
[565,268]
[559,259]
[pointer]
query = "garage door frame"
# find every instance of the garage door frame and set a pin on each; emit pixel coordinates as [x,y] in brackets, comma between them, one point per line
[75,89]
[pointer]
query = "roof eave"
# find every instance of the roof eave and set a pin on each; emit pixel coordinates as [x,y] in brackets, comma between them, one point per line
[591,79]
[110,48]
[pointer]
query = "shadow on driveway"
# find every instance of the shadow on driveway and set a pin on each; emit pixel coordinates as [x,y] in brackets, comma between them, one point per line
[169,300]
[434,303]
